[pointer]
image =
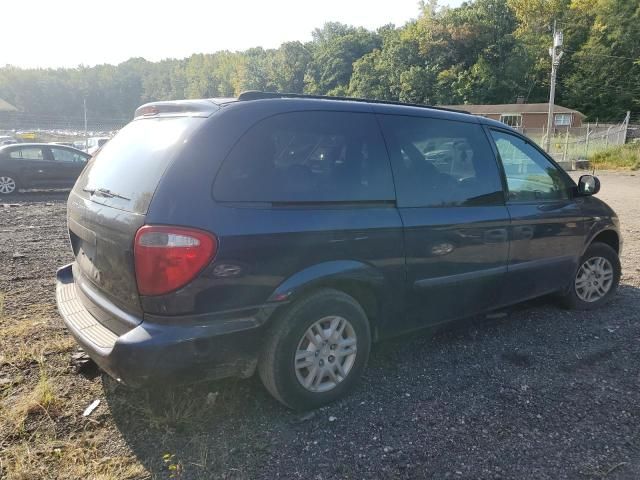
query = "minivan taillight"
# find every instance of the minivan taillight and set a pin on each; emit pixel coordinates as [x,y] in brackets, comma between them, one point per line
[167,258]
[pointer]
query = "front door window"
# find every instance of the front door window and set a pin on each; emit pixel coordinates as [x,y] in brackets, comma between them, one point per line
[530,176]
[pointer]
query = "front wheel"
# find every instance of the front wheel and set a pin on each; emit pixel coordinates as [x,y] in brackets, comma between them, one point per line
[596,279]
[316,351]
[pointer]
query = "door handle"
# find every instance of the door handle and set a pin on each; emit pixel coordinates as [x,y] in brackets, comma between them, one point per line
[355,236]
[497,235]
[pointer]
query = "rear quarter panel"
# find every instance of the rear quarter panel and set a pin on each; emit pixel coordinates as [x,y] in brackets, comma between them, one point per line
[268,254]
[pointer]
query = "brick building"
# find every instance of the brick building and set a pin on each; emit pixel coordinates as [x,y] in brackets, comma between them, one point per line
[526,115]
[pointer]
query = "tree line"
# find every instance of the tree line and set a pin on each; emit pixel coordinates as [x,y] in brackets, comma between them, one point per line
[483,52]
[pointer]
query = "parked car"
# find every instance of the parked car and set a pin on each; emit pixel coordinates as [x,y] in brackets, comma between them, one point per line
[284,233]
[7,140]
[95,143]
[39,165]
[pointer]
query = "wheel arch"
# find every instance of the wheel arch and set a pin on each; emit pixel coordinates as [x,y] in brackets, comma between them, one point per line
[607,236]
[366,284]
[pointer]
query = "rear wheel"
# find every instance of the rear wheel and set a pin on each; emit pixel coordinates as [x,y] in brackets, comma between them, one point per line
[596,279]
[8,185]
[316,351]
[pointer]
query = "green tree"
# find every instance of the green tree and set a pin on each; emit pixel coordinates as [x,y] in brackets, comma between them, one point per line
[335,48]
[484,51]
[605,81]
[288,67]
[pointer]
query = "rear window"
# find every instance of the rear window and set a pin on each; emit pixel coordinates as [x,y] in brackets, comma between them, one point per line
[126,172]
[308,157]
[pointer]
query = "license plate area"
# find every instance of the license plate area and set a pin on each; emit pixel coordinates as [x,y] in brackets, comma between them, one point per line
[84,245]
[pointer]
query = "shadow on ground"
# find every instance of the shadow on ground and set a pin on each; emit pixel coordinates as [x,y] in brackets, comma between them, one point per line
[538,393]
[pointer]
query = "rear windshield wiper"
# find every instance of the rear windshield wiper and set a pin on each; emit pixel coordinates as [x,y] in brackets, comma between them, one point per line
[105,192]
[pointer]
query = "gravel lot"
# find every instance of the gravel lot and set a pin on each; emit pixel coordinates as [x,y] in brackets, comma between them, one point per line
[538,393]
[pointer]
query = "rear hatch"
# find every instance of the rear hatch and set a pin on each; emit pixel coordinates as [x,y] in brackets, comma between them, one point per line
[109,203]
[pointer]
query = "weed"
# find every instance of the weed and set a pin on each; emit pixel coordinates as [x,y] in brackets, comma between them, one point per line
[173,466]
[173,410]
[624,157]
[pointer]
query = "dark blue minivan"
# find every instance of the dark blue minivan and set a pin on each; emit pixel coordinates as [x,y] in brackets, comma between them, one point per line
[284,233]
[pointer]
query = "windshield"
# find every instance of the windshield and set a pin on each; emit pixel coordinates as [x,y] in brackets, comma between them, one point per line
[126,172]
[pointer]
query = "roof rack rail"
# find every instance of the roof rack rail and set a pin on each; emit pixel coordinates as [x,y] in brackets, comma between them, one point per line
[258,95]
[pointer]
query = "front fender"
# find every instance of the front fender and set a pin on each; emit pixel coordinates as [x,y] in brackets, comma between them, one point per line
[598,228]
[600,218]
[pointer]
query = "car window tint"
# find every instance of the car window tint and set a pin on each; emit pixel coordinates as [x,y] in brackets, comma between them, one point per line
[63,155]
[441,162]
[27,153]
[530,176]
[133,162]
[308,157]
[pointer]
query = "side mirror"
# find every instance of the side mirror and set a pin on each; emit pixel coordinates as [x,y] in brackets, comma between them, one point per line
[588,185]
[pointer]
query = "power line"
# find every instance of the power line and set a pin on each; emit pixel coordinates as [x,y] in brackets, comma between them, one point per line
[633,89]
[603,55]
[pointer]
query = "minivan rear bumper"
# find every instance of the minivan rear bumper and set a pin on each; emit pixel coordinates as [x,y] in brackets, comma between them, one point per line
[164,349]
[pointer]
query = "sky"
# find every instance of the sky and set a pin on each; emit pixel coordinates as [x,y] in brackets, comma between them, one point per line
[68,33]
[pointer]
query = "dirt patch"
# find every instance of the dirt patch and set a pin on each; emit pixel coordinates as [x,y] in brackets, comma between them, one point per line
[541,393]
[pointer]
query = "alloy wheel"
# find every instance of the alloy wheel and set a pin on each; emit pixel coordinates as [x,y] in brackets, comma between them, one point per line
[594,279]
[7,185]
[325,354]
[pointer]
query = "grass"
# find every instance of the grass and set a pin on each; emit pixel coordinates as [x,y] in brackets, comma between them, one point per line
[621,157]
[171,411]
[44,435]
[29,341]
[40,401]
[82,458]
[42,432]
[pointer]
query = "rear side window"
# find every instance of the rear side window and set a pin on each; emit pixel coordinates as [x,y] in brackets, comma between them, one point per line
[308,157]
[67,156]
[131,165]
[27,153]
[440,163]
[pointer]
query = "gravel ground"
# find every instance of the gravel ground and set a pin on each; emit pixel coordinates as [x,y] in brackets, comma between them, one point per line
[537,393]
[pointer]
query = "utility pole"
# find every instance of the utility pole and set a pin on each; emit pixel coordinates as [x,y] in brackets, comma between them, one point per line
[86,141]
[556,55]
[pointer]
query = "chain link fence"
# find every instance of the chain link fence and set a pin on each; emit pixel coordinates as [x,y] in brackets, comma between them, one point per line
[571,147]
[44,128]
[633,132]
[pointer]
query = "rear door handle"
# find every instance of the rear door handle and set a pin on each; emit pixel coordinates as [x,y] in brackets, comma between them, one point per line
[355,236]
[497,235]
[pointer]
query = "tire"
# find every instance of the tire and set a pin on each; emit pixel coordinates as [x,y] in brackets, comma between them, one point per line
[279,365]
[8,185]
[576,296]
